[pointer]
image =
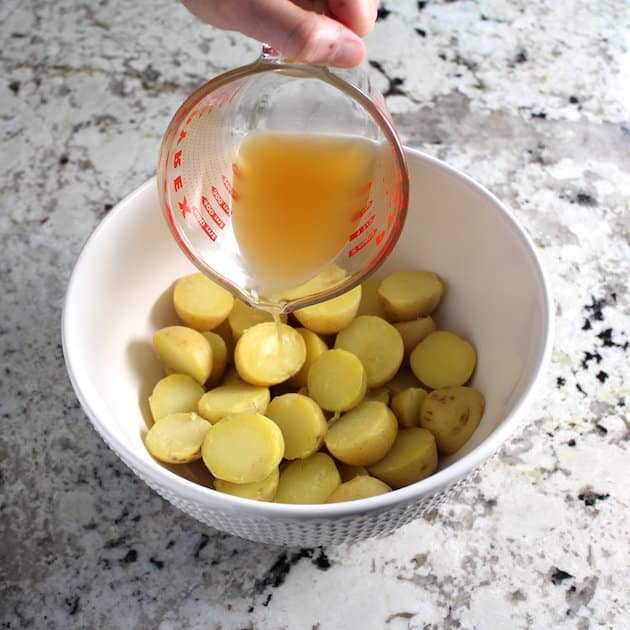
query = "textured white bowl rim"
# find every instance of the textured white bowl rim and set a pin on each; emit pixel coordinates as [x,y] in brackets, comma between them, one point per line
[425,488]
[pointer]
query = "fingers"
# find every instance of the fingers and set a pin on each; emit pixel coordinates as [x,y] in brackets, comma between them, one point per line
[297,33]
[358,15]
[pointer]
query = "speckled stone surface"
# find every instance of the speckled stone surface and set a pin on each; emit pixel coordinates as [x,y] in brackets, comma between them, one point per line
[531,98]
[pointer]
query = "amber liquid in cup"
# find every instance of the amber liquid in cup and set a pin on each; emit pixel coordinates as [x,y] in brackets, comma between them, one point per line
[297,199]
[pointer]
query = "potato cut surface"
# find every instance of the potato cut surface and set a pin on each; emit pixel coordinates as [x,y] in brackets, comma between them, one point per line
[233,397]
[176,393]
[363,435]
[406,406]
[184,351]
[315,347]
[264,490]
[219,357]
[403,379]
[452,414]
[201,303]
[333,315]
[310,480]
[361,487]
[337,381]
[406,295]
[302,423]
[443,359]
[412,458]
[378,345]
[269,353]
[177,438]
[244,448]
[380,393]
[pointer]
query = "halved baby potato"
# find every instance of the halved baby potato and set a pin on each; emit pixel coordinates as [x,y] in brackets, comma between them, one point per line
[406,295]
[243,448]
[361,487]
[233,397]
[452,414]
[264,490]
[184,351]
[176,393]
[332,315]
[310,480]
[201,303]
[269,353]
[177,438]
[378,345]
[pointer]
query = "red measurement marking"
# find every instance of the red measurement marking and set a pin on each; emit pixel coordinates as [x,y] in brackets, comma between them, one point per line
[164,185]
[228,187]
[365,189]
[182,135]
[390,220]
[210,233]
[362,229]
[184,207]
[178,183]
[235,170]
[219,200]
[213,215]
[359,213]
[177,159]
[357,248]
[380,237]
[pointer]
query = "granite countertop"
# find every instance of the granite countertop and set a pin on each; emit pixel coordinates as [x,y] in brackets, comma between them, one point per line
[532,99]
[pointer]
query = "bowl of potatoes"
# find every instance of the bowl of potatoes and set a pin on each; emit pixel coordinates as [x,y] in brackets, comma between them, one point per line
[335,423]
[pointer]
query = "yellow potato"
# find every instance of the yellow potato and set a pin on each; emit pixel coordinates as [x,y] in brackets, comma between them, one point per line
[328,279]
[184,351]
[219,357]
[452,414]
[201,303]
[370,302]
[360,487]
[302,423]
[412,458]
[244,448]
[177,438]
[443,359]
[225,332]
[413,332]
[315,347]
[232,398]
[363,435]
[310,480]
[336,380]
[381,394]
[176,393]
[269,353]
[406,406]
[406,295]
[332,315]
[244,316]
[378,345]
[264,490]
[347,472]
[403,379]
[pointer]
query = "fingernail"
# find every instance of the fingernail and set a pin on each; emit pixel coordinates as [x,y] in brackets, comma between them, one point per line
[349,53]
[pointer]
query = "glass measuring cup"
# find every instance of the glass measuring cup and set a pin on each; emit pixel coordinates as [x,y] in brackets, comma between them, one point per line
[204,182]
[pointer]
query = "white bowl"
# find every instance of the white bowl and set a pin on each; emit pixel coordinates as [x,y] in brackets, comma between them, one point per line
[496,295]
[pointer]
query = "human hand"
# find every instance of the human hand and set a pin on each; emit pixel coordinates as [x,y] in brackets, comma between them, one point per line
[311,31]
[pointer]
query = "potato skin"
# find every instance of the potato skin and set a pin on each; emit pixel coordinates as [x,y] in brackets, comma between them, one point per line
[413,457]
[452,414]
[360,487]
